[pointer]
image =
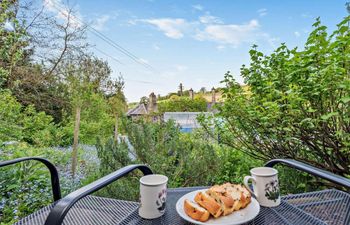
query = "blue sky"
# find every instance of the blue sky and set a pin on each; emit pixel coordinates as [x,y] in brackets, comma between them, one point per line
[196,42]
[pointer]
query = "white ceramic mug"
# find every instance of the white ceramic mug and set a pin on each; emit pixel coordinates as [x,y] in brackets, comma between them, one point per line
[265,186]
[153,191]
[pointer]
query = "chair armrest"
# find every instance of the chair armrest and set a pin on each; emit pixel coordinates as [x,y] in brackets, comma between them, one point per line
[311,170]
[55,183]
[62,207]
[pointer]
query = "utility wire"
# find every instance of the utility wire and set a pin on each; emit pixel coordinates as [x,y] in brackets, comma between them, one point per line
[106,54]
[131,80]
[108,40]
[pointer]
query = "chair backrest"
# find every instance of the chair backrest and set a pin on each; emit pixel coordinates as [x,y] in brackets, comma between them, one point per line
[334,178]
[55,182]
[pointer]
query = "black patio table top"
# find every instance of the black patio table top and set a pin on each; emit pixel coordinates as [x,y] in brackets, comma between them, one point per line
[330,207]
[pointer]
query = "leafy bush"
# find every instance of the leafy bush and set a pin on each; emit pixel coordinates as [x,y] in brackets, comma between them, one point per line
[298,103]
[18,123]
[113,156]
[187,159]
[183,104]
[96,121]
[234,165]
[10,111]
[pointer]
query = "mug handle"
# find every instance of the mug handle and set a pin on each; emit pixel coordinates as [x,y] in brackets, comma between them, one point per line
[246,180]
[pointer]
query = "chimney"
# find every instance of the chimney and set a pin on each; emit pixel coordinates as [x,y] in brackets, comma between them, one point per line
[213,95]
[152,103]
[181,89]
[191,93]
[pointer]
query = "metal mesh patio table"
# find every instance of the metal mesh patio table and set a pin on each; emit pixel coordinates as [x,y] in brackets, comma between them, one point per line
[330,207]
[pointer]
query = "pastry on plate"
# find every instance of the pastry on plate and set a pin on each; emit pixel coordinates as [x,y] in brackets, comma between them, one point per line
[214,206]
[219,200]
[195,211]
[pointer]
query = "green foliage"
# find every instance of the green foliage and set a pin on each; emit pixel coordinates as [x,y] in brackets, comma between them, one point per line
[297,105]
[96,121]
[113,156]
[10,111]
[11,41]
[183,104]
[26,187]
[38,128]
[293,181]
[187,159]
[24,124]
[234,165]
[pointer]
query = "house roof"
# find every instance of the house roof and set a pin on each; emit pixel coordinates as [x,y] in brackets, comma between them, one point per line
[138,110]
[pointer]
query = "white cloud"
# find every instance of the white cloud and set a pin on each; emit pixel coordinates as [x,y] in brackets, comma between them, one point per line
[220,47]
[100,22]
[181,68]
[198,7]
[211,28]
[142,60]
[297,34]
[168,74]
[232,34]
[272,41]
[156,47]
[62,12]
[131,22]
[207,18]
[172,28]
[306,15]
[262,12]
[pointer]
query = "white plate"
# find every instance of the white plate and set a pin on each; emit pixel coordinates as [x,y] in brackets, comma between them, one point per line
[238,217]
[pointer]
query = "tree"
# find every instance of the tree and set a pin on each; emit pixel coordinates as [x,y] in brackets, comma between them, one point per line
[12,39]
[144,100]
[117,102]
[83,80]
[297,105]
[203,90]
[33,44]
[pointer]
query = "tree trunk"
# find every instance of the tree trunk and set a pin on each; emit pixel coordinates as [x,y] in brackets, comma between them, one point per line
[76,139]
[116,128]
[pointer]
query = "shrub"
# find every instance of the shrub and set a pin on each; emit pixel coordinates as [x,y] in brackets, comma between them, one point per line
[183,104]
[297,105]
[19,123]
[187,159]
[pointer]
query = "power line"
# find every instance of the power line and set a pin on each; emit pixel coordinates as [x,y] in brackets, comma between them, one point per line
[121,49]
[131,80]
[104,53]
[109,41]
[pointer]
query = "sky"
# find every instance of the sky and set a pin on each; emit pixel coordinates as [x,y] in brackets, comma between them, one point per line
[194,42]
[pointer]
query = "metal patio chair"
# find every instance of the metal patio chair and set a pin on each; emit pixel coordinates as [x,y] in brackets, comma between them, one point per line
[81,208]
